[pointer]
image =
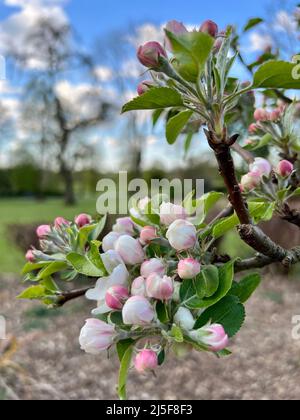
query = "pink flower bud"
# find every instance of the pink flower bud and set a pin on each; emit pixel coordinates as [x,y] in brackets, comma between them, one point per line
[285,168]
[250,181]
[253,128]
[130,250]
[152,266]
[124,225]
[96,336]
[60,221]
[188,268]
[176,28]
[170,212]
[209,27]
[150,53]
[213,336]
[30,256]
[144,86]
[145,361]
[137,311]
[276,114]
[182,235]
[161,288]
[116,296]
[138,287]
[148,233]
[108,242]
[83,220]
[261,115]
[261,166]
[43,230]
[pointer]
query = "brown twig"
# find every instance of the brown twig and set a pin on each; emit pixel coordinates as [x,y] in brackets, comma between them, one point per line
[260,261]
[65,297]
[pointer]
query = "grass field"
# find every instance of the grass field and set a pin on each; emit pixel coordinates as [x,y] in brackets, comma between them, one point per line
[23,211]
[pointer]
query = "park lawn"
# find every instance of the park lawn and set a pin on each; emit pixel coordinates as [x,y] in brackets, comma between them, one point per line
[24,211]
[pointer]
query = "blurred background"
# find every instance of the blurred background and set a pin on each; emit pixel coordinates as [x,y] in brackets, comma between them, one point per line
[70,66]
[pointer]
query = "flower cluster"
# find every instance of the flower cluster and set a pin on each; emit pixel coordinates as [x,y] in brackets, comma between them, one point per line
[140,285]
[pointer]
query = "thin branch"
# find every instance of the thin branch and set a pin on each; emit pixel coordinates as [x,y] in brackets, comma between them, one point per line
[245,154]
[65,297]
[291,215]
[260,242]
[260,261]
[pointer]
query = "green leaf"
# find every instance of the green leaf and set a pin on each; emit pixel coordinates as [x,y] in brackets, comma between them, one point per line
[176,124]
[91,232]
[162,312]
[228,312]
[95,257]
[29,267]
[34,292]
[204,204]
[207,282]
[265,140]
[226,274]
[277,75]
[123,346]
[188,143]
[246,287]
[84,266]
[252,23]
[156,98]
[161,357]
[177,334]
[123,374]
[52,268]
[191,51]
[156,116]
[187,290]
[225,225]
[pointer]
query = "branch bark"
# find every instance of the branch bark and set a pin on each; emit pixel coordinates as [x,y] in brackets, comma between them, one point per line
[66,297]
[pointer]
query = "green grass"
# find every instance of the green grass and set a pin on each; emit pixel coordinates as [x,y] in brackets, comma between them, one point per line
[25,211]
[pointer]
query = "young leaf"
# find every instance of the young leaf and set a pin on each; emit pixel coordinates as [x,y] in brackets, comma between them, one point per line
[95,257]
[29,267]
[156,98]
[84,266]
[52,268]
[246,287]
[34,292]
[162,312]
[123,346]
[252,23]
[176,124]
[277,75]
[207,282]
[123,374]
[228,312]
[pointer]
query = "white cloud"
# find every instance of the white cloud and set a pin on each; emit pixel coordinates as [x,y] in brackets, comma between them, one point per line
[147,32]
[104,73]
[285,22]
[17,28]
[132,69]
[259,42]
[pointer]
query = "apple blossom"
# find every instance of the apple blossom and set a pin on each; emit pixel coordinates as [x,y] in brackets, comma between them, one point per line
[143,203]
[138,287]
[261,166]
[161,288]
[285,168]
[146,360]
[124,225]
[188,268]
[83,220]
[176,28]
[130,250]
[60,221]
[209,27]
[30,256]
[150,53]
[253,128]
[116,296]
[148,234]
[96,336]
[261,115]
[43,230]
[170,212]
[108,242]
[138,311]
[250,181]
[184,319]
[144,86]
[276,114]
[152,266]
[182,235]
[213,336]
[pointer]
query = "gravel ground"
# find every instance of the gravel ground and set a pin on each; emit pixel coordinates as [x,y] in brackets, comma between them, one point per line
[48,364]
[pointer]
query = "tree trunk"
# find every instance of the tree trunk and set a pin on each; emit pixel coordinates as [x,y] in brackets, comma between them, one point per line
[67,177]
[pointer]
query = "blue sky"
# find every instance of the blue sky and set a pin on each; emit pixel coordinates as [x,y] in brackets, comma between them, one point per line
[93,17]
